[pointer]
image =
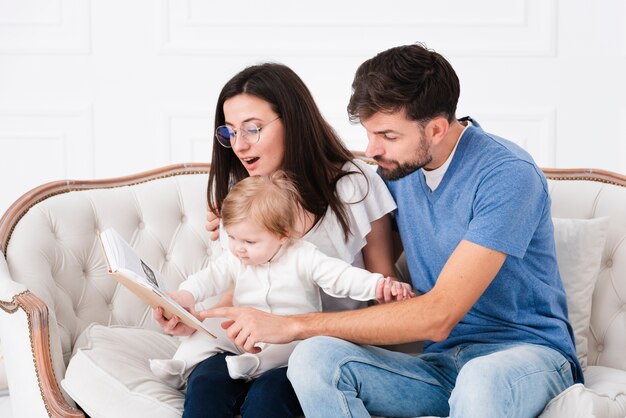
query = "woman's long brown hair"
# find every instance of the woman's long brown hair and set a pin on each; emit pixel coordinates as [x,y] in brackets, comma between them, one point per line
[314,153]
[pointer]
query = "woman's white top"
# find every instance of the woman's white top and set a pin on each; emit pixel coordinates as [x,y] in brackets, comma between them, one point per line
[287,284]
[367,199]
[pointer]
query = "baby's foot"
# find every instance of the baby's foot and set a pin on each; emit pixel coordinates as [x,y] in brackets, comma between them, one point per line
[243,366]
[170,371]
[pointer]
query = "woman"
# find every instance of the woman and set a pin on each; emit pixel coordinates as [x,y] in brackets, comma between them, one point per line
[266,120]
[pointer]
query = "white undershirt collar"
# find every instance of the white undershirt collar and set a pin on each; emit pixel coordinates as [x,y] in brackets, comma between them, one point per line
[433,177]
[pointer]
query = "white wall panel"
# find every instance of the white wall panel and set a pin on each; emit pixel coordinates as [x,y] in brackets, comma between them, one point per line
[547,74]
[189,134]
[42,144]
[621,147]
[623,27]
[327,27]
[45,27]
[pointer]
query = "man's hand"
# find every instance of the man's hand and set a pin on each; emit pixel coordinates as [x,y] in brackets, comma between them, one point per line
[249,326]
[212,225]
[391,290]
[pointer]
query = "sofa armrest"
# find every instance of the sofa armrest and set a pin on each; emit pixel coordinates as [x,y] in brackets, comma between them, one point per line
[25,340]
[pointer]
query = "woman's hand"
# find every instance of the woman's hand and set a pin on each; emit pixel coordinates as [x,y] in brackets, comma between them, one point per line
[213,225]
[391,290]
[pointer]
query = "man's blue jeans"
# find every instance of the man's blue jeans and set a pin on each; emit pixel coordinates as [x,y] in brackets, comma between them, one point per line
[335,378]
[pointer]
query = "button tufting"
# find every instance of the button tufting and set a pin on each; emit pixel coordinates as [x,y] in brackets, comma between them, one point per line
[208,251]
[600,347]
[141,225]
[168,257]
[609,263]
[183,219]
[110,306]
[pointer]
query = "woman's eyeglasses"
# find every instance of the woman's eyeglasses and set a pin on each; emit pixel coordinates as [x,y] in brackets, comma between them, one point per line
[248,132]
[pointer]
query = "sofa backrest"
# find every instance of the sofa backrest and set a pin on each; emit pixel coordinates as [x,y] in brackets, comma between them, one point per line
[587,194]
[55,252]
[50,238]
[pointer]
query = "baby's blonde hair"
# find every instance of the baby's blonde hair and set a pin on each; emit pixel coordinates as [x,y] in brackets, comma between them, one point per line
[271,201]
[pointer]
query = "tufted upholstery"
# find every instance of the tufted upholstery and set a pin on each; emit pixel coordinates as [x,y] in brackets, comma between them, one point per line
[162,219]
[53,251]
[54,282]
[586,199]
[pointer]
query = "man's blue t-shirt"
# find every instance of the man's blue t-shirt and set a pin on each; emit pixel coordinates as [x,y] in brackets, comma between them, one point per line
[494,195]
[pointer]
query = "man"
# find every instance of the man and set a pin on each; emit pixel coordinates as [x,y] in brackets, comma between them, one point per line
[474,219]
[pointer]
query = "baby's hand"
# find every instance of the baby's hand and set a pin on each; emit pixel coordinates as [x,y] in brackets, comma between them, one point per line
[184,299]
[391,290]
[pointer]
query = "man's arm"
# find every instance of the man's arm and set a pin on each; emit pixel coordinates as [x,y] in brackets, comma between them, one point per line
[464,278]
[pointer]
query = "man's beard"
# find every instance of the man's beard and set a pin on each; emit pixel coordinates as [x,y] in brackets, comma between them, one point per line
[422,157]
[401,170]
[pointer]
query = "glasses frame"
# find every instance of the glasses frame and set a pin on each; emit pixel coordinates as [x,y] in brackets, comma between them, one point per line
[239,130]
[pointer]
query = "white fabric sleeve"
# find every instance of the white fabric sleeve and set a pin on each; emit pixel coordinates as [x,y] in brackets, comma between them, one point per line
[340,279]
[213,280]
[367,199]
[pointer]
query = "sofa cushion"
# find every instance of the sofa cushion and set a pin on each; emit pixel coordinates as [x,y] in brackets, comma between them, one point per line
[112,363]
[606,380]
[579,247]
[603,396]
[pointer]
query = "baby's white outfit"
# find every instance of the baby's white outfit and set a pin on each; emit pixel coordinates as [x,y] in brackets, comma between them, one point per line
[366,199]
[288,284]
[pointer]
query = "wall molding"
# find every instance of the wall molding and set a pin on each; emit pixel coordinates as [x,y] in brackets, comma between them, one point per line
[621,151]
[72,124]
[49,134]
[528,28]
[65,30]
[188,133]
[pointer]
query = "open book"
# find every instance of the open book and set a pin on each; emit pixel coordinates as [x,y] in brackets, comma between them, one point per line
[132,272]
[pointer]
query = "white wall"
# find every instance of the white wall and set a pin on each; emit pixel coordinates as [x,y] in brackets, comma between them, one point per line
[92,89]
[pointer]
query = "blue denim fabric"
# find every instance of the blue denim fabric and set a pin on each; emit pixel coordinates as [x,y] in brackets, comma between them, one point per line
[335,378]
[211,393]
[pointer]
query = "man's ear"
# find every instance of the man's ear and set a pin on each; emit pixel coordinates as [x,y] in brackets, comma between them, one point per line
[437,129]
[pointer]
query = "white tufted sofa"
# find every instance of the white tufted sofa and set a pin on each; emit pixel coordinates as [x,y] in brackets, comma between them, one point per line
[57,303]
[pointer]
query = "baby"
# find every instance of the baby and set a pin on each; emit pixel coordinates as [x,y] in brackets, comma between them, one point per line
[269,269]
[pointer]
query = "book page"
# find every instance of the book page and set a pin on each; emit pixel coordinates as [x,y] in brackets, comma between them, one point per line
[136,275]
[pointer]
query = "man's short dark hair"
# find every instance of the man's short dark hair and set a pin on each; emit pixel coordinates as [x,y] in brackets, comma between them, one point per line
[409,77]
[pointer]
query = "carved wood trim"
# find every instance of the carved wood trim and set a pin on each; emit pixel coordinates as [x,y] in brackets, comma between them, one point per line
[10,307]
[37,314]
[588,174]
